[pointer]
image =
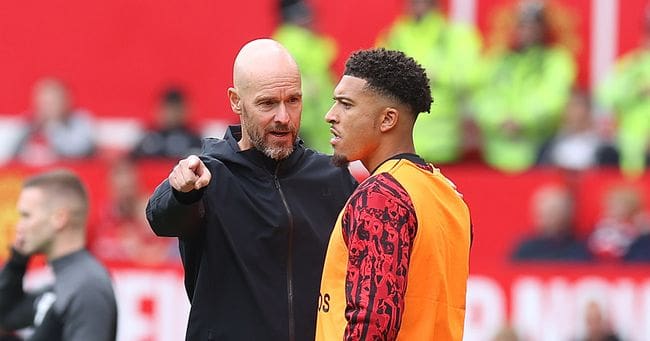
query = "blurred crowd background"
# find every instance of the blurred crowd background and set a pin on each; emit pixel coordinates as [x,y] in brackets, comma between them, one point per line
[541,115]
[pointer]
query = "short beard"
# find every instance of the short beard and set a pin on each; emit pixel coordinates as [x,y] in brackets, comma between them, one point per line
[339,160]
[274,152]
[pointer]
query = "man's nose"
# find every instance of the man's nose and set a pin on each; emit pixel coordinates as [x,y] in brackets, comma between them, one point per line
[330,116]
[282,114]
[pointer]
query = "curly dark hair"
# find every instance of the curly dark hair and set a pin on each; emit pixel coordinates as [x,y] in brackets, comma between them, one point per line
[393,74]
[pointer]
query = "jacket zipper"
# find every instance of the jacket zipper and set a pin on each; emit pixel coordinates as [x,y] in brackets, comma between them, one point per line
[292,321]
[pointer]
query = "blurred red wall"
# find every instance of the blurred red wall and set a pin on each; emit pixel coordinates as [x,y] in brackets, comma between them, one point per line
[116,55]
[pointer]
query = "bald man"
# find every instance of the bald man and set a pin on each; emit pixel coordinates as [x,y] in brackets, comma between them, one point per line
[254,211]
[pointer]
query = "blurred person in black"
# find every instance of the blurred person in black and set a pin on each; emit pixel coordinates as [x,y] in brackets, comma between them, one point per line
[639,250]
[254,211]
[172,138]
[80,305]
[552,209]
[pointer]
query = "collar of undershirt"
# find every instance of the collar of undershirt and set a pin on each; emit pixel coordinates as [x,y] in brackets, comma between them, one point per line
[64,261]
[408,156]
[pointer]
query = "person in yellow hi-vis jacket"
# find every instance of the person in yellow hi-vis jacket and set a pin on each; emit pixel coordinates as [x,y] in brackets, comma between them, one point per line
[450,54]
[314,53]
[627,93]
[525,88]
[398,258]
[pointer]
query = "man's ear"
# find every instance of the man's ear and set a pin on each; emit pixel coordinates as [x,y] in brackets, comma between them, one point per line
[60,217]
[390,117]
[235,100]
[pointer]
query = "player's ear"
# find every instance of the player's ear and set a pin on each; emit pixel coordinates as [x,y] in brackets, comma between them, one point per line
[389,119]
[235,100]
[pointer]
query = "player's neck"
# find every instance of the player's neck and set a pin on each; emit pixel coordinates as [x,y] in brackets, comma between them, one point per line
[63,247]
[385,152]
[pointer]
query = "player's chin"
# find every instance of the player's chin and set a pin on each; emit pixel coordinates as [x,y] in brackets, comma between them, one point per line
[25,249]
[340,160]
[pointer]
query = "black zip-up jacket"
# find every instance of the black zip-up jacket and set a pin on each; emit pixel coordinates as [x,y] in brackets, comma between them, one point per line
[253,241]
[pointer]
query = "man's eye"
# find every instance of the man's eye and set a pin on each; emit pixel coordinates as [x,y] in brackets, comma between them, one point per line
[343,103]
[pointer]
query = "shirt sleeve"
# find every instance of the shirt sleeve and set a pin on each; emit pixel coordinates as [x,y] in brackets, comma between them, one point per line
[16,305]
[174,214]
[379,226]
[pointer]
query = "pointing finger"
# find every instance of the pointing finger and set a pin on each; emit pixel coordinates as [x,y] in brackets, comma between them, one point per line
[204,176]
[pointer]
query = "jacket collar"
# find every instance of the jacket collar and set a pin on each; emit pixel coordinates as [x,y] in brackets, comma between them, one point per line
[233,135]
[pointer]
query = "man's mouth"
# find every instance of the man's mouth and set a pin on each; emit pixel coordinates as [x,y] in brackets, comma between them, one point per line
[335,136]
[278,133]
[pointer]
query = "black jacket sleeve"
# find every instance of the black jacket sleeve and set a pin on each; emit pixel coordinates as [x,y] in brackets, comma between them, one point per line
[16,306]
[174,214]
